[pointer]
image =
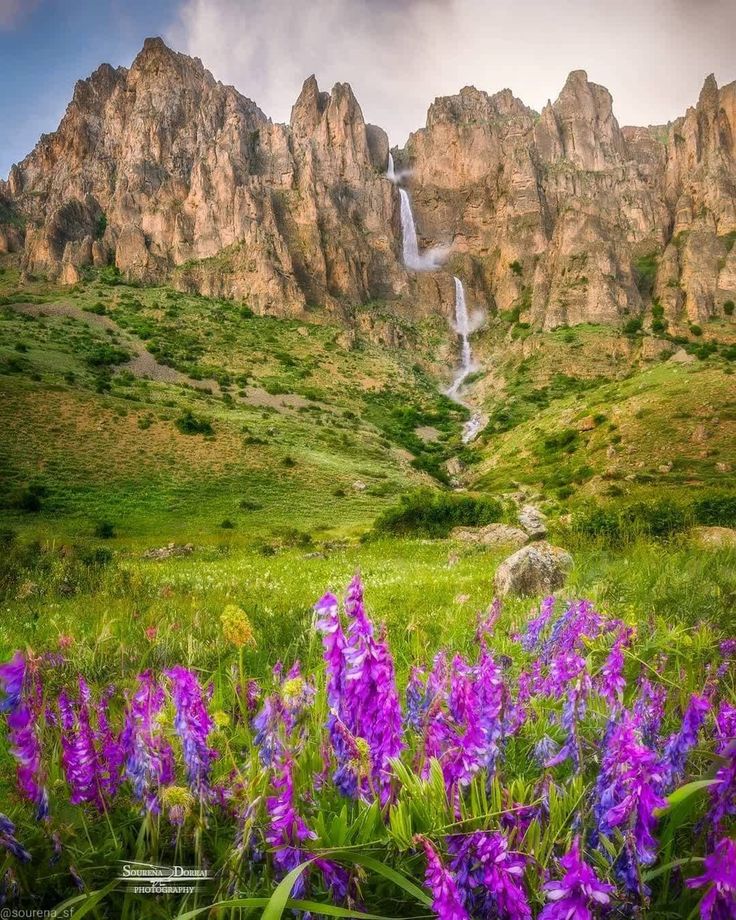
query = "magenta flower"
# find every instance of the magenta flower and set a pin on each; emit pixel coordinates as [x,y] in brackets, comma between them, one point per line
[490,876]
[26,749]
[150,758]
[627,788]
[536,626]
[12,677]
[719,902]
[579,893]
[446,899]
[78,754]
[193,725]
[611,681]
[287,830]
[680,743]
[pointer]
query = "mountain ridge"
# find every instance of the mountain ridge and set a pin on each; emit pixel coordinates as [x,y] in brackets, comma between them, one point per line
[553,218]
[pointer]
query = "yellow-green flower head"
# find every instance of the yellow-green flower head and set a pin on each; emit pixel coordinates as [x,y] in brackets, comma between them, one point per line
[236,627]
[221,719]
[292,689]
[362,762]
[178,802]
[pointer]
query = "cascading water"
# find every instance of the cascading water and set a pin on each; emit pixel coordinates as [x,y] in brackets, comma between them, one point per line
[463,328]
[427,261]
[414,259]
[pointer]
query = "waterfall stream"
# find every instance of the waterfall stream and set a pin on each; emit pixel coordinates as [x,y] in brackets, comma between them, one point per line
[428,260]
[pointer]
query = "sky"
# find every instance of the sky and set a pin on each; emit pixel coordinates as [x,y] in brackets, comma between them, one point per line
[653,55]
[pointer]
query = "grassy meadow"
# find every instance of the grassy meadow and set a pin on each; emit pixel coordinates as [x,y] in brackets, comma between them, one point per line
[132,418]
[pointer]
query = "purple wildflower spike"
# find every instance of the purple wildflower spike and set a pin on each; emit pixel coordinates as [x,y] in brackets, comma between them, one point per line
[79,757]
[680,743]
[12,677]
[287,830]
[579,893]
[446,899]
[193,725]
[491,876]
[719,902]
[627,788]
[537,625]
[26,749]
[150,758]
[9,842]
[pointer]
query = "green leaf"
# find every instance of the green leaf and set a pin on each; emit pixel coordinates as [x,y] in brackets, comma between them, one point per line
[277,902]
[387,872]
[87,901]
[660,870]
[685,792]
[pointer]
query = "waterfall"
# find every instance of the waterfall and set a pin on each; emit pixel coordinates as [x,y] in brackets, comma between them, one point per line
[463,327]
[390,170]
[413,258]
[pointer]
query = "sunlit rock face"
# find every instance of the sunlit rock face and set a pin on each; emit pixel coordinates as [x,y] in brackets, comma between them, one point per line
[565,217]
[560,217]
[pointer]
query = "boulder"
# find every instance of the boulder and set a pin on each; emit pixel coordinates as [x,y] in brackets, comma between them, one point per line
[533,522]
[492,535]
[682,357]
[538,568]
[715,537]
[171,549]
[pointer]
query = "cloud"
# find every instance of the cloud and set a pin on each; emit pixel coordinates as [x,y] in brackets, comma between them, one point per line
[12,12]
[399,55]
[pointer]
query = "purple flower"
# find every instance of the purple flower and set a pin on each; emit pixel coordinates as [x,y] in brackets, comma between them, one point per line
[611,681]
[333,642]
[26,749]
[649,708]
[9,842]
[193,725]
[491,877]
[446,899]
[150,759]
[12,676]
[679,744]
[287,830]
[417,699]
[537,625]
[578,893]
[79,757]
[627,787]
[719,902]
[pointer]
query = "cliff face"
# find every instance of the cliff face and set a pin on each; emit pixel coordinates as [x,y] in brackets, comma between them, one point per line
[566,217]
[562,217]
[170,174]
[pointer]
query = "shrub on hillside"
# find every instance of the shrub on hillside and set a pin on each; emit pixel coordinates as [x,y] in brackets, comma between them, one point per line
[435,514]
[716,509]
[189,423]
[660,519]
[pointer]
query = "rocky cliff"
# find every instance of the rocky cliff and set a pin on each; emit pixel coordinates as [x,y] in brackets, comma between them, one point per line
[559,217]
[565,217]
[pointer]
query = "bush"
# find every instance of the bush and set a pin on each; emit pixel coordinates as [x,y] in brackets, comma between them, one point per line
[716,510]
[695,329]
[435,514]
[515,267]
[30,499]
[105,530]
[728,307]
[188,423]
[659,519]
[632,326]
[227,524]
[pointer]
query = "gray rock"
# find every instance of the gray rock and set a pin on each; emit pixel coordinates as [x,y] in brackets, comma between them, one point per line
[171,549]
[682,357]
[492,535]
[715,537]
[538,568]
[533,522]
